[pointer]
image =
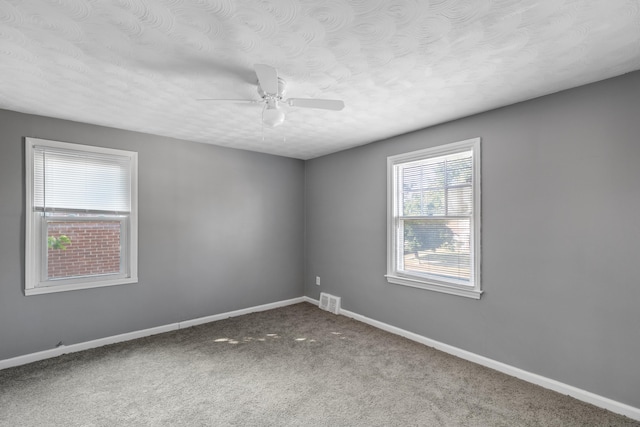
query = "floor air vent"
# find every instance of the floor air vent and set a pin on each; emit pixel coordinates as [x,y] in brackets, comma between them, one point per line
[330,303]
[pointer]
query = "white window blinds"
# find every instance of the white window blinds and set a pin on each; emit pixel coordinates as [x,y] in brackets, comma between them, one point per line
[82,181]
[435,214]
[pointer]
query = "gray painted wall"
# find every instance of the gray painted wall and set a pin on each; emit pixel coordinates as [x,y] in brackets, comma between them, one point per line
[561,238]
[219,230]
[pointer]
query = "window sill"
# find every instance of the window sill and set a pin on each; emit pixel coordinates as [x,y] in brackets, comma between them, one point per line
[76,286]
[422,284]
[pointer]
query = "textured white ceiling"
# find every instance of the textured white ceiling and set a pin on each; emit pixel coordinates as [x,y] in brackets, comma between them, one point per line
[399,65]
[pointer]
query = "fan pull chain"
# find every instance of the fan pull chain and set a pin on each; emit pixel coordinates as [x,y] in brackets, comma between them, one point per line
[262,121]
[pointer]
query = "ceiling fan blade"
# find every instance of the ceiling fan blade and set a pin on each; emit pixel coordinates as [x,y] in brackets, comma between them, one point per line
[324,104]
[268,78]
[229,101]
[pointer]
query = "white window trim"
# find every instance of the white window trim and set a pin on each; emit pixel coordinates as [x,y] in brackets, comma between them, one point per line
[33,247]
[396,277]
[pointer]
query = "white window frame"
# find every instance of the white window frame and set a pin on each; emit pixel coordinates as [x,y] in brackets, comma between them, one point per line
[36,228]
[394,274]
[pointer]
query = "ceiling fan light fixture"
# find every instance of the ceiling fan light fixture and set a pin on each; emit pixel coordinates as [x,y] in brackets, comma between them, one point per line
[272,116]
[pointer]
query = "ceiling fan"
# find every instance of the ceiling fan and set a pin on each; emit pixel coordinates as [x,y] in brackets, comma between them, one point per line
[271,89]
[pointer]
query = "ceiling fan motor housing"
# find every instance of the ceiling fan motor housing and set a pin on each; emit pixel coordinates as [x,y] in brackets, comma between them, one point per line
[281,90]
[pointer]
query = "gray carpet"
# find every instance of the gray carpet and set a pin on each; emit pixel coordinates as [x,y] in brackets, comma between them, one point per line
[293,366]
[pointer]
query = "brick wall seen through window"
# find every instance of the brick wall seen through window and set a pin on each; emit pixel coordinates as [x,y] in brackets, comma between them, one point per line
[93,249]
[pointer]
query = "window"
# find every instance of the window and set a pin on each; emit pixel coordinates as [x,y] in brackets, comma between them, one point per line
[434,219]
[81,224]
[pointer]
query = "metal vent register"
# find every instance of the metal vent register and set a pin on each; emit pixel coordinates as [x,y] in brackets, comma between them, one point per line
[330,303]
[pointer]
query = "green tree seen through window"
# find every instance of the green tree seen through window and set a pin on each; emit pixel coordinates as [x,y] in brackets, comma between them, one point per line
[59,242]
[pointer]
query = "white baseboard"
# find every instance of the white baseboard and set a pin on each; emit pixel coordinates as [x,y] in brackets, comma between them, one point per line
[311,300]
[583,395]
[264,307]
[64,349]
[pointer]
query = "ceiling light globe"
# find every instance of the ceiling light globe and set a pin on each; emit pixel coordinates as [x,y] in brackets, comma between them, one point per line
[272,117]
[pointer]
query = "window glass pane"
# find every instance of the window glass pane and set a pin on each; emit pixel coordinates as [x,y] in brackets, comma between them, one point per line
[439,247]
[433,174]
[460,201]
[424,203]
[459,171]
[433,203]
[412,203]
[83,248]
[423,176]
